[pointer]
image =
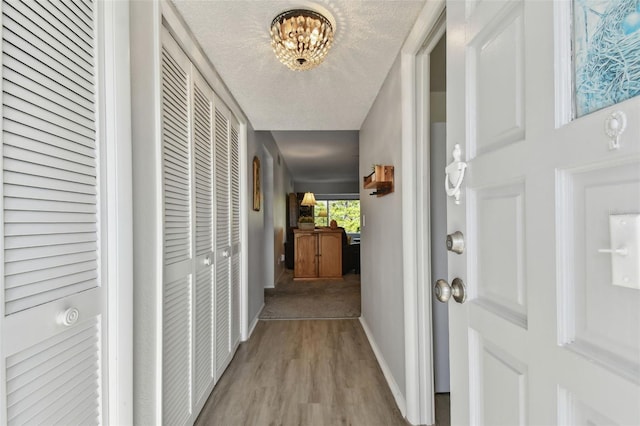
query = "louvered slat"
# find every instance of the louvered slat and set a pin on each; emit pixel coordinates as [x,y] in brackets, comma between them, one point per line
[204,356]
[235,300]
[176,161]
[223,290]
[235,186]
[176,352]
[57,379]
[49,153]
[234,160]
[223,300]
[204,176]
[222,179]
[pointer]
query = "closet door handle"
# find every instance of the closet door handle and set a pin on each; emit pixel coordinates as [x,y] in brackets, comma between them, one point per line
[68,317]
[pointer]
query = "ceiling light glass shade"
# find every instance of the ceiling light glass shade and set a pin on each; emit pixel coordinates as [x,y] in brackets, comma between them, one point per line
[301,38]
[308,200]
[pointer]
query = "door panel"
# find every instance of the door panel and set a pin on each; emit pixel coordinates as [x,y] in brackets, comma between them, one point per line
[178,238]
[204,357]
[51,232]
[223,240]
[330,255]
[539,339]
[176,352]
[57,380]
[496,55]
[306,261]
[53,301]
[500,244]
[234,164]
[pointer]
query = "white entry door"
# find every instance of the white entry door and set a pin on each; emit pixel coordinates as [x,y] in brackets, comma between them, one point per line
[547,335]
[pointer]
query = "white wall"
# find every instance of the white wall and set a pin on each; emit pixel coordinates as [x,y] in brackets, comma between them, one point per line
[381,232]
[282,185]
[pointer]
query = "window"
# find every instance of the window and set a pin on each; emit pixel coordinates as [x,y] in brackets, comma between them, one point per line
[345,212]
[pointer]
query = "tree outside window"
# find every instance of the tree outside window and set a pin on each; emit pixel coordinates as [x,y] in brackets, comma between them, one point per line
[320,213]
[345,212]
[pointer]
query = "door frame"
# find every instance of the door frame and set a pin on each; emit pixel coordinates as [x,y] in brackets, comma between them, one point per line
[113,48]
[415,224]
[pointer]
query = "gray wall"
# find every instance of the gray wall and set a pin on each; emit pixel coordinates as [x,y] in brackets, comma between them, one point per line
[439,254]
[381,233]
[328,187]
[256,143]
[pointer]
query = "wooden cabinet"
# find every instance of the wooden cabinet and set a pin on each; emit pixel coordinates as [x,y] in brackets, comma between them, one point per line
[306,259]
[329,254]
[317,254]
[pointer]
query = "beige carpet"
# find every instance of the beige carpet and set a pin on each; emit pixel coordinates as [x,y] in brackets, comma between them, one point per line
[312,299]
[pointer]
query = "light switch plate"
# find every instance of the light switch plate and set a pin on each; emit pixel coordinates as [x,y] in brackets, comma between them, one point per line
[625,235]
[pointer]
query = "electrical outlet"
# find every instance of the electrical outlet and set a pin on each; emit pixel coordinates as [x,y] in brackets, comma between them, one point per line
[282,258]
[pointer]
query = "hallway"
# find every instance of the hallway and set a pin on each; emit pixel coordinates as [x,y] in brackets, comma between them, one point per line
[310,372]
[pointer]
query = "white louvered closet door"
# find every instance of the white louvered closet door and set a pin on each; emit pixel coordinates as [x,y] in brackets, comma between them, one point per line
[177,234]
[234,161]
[223,240]
[53,300]
[204,342]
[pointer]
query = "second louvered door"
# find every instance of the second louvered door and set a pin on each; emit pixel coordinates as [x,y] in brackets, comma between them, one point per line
[177,310]
[201,236]
[194,307]
[204,297]
[53,310]
[234,165]
[223,240]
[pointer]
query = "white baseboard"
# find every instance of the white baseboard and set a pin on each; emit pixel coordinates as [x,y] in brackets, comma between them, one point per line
[395,389]
[254,322]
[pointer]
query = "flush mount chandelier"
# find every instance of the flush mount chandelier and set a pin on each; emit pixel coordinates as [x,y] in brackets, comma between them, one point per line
[301,38]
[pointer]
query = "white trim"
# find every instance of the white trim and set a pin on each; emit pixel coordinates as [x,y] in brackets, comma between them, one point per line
[145,47]
[3,350]
[418,335]
[254,323]
[386,371]
[114,21]
[563,58]
[245,328]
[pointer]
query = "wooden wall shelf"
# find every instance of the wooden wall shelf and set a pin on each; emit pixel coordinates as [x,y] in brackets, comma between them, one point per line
[381,180]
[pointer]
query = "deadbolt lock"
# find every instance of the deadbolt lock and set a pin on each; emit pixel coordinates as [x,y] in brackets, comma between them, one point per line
[455,242]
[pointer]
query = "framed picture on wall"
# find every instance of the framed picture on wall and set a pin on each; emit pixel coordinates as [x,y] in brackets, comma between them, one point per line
[606,48]
[256,184]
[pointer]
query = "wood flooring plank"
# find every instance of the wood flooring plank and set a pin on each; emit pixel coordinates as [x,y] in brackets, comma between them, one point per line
[306,372]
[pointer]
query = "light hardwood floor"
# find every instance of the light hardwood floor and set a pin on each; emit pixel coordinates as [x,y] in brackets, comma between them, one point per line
[309,372]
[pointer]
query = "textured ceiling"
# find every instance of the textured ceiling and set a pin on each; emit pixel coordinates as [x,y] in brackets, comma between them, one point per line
[337,95]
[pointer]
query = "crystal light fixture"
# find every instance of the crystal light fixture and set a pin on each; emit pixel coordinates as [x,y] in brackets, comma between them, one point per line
[301,38]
